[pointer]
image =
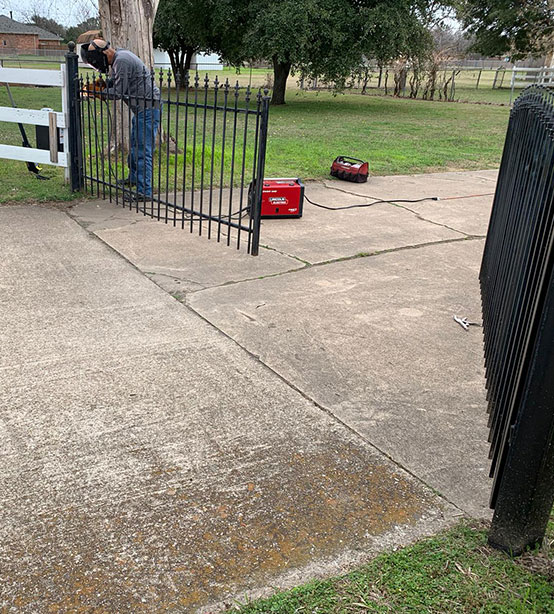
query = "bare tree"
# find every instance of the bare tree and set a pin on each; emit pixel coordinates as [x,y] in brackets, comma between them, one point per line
[416,77]
[436,13]
[44,8]
[72,12]
[84,10]
[400,74]
[448,44]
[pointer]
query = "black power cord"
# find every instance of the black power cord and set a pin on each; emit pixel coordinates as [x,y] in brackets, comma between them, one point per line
[375,202]
[391,201]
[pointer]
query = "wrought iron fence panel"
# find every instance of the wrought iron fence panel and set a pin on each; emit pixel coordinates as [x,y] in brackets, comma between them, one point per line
[208,160]
[517,289]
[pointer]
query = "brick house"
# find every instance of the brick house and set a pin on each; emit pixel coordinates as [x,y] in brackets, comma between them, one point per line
[18,37]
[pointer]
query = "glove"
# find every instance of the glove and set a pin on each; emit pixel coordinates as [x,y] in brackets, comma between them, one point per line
[94,89]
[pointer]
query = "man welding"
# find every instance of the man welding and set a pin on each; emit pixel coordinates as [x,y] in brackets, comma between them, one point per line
[131,82]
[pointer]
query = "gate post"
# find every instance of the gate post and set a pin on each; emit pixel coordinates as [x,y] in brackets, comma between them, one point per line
[72,75]
[260,170]
[526,491]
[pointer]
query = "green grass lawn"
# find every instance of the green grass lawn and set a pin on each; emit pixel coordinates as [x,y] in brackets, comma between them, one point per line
[453,572]
[396,136]
[29,62]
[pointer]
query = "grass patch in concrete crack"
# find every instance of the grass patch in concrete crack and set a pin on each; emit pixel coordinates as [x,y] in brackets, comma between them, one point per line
[455,571]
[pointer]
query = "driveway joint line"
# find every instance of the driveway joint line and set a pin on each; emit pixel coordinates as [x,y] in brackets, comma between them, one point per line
[306,266]
[359,256]
[424,219]
[240,281]
[327,411]
[274,249]
[393,250]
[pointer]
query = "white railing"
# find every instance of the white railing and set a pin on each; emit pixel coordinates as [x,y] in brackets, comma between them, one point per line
[54,120]
[532,76]
[522,77]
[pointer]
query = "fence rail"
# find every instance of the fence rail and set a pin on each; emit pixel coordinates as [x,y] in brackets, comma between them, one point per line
[522,77]
[517,288]
[37,76]
[57,122]
[208,142]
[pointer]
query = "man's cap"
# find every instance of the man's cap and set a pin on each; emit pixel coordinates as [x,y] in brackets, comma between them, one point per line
[100,44]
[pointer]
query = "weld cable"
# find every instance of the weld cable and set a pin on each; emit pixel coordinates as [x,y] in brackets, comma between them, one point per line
[468,196]
[391,201]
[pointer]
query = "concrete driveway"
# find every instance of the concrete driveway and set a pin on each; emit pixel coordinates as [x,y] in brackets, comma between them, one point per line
[285,418]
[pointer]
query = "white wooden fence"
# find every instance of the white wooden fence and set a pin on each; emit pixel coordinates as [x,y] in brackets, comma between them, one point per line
[54,120]
[522,77]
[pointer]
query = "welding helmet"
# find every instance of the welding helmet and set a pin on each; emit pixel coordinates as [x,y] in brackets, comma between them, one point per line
[93,54]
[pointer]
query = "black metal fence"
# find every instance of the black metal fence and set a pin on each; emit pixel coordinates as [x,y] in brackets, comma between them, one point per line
[191,154]
[517,287]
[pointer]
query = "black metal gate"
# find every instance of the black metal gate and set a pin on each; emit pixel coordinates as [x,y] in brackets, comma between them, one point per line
[208,160]
[517,287]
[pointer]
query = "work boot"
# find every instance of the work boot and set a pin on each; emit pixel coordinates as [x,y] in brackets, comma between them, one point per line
[136,196]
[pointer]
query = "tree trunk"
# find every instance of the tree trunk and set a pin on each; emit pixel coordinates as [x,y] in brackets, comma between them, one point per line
[189,54]
[365,79]
[128,24]
[415,81]
[281,72]
[178,64]
[175,58]
[400,74]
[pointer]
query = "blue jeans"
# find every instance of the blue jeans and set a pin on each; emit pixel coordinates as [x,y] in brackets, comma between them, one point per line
[144,131]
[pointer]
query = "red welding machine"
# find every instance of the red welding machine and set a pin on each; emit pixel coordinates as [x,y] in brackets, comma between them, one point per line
[282,198]
[350,169]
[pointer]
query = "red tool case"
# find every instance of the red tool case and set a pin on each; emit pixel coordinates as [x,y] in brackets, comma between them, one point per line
[282,198]
[350,169]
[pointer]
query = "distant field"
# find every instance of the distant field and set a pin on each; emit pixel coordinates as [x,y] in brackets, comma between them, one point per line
[467,89]
[472,85]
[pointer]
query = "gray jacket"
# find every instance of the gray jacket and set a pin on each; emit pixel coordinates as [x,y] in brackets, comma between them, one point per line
[131,81]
